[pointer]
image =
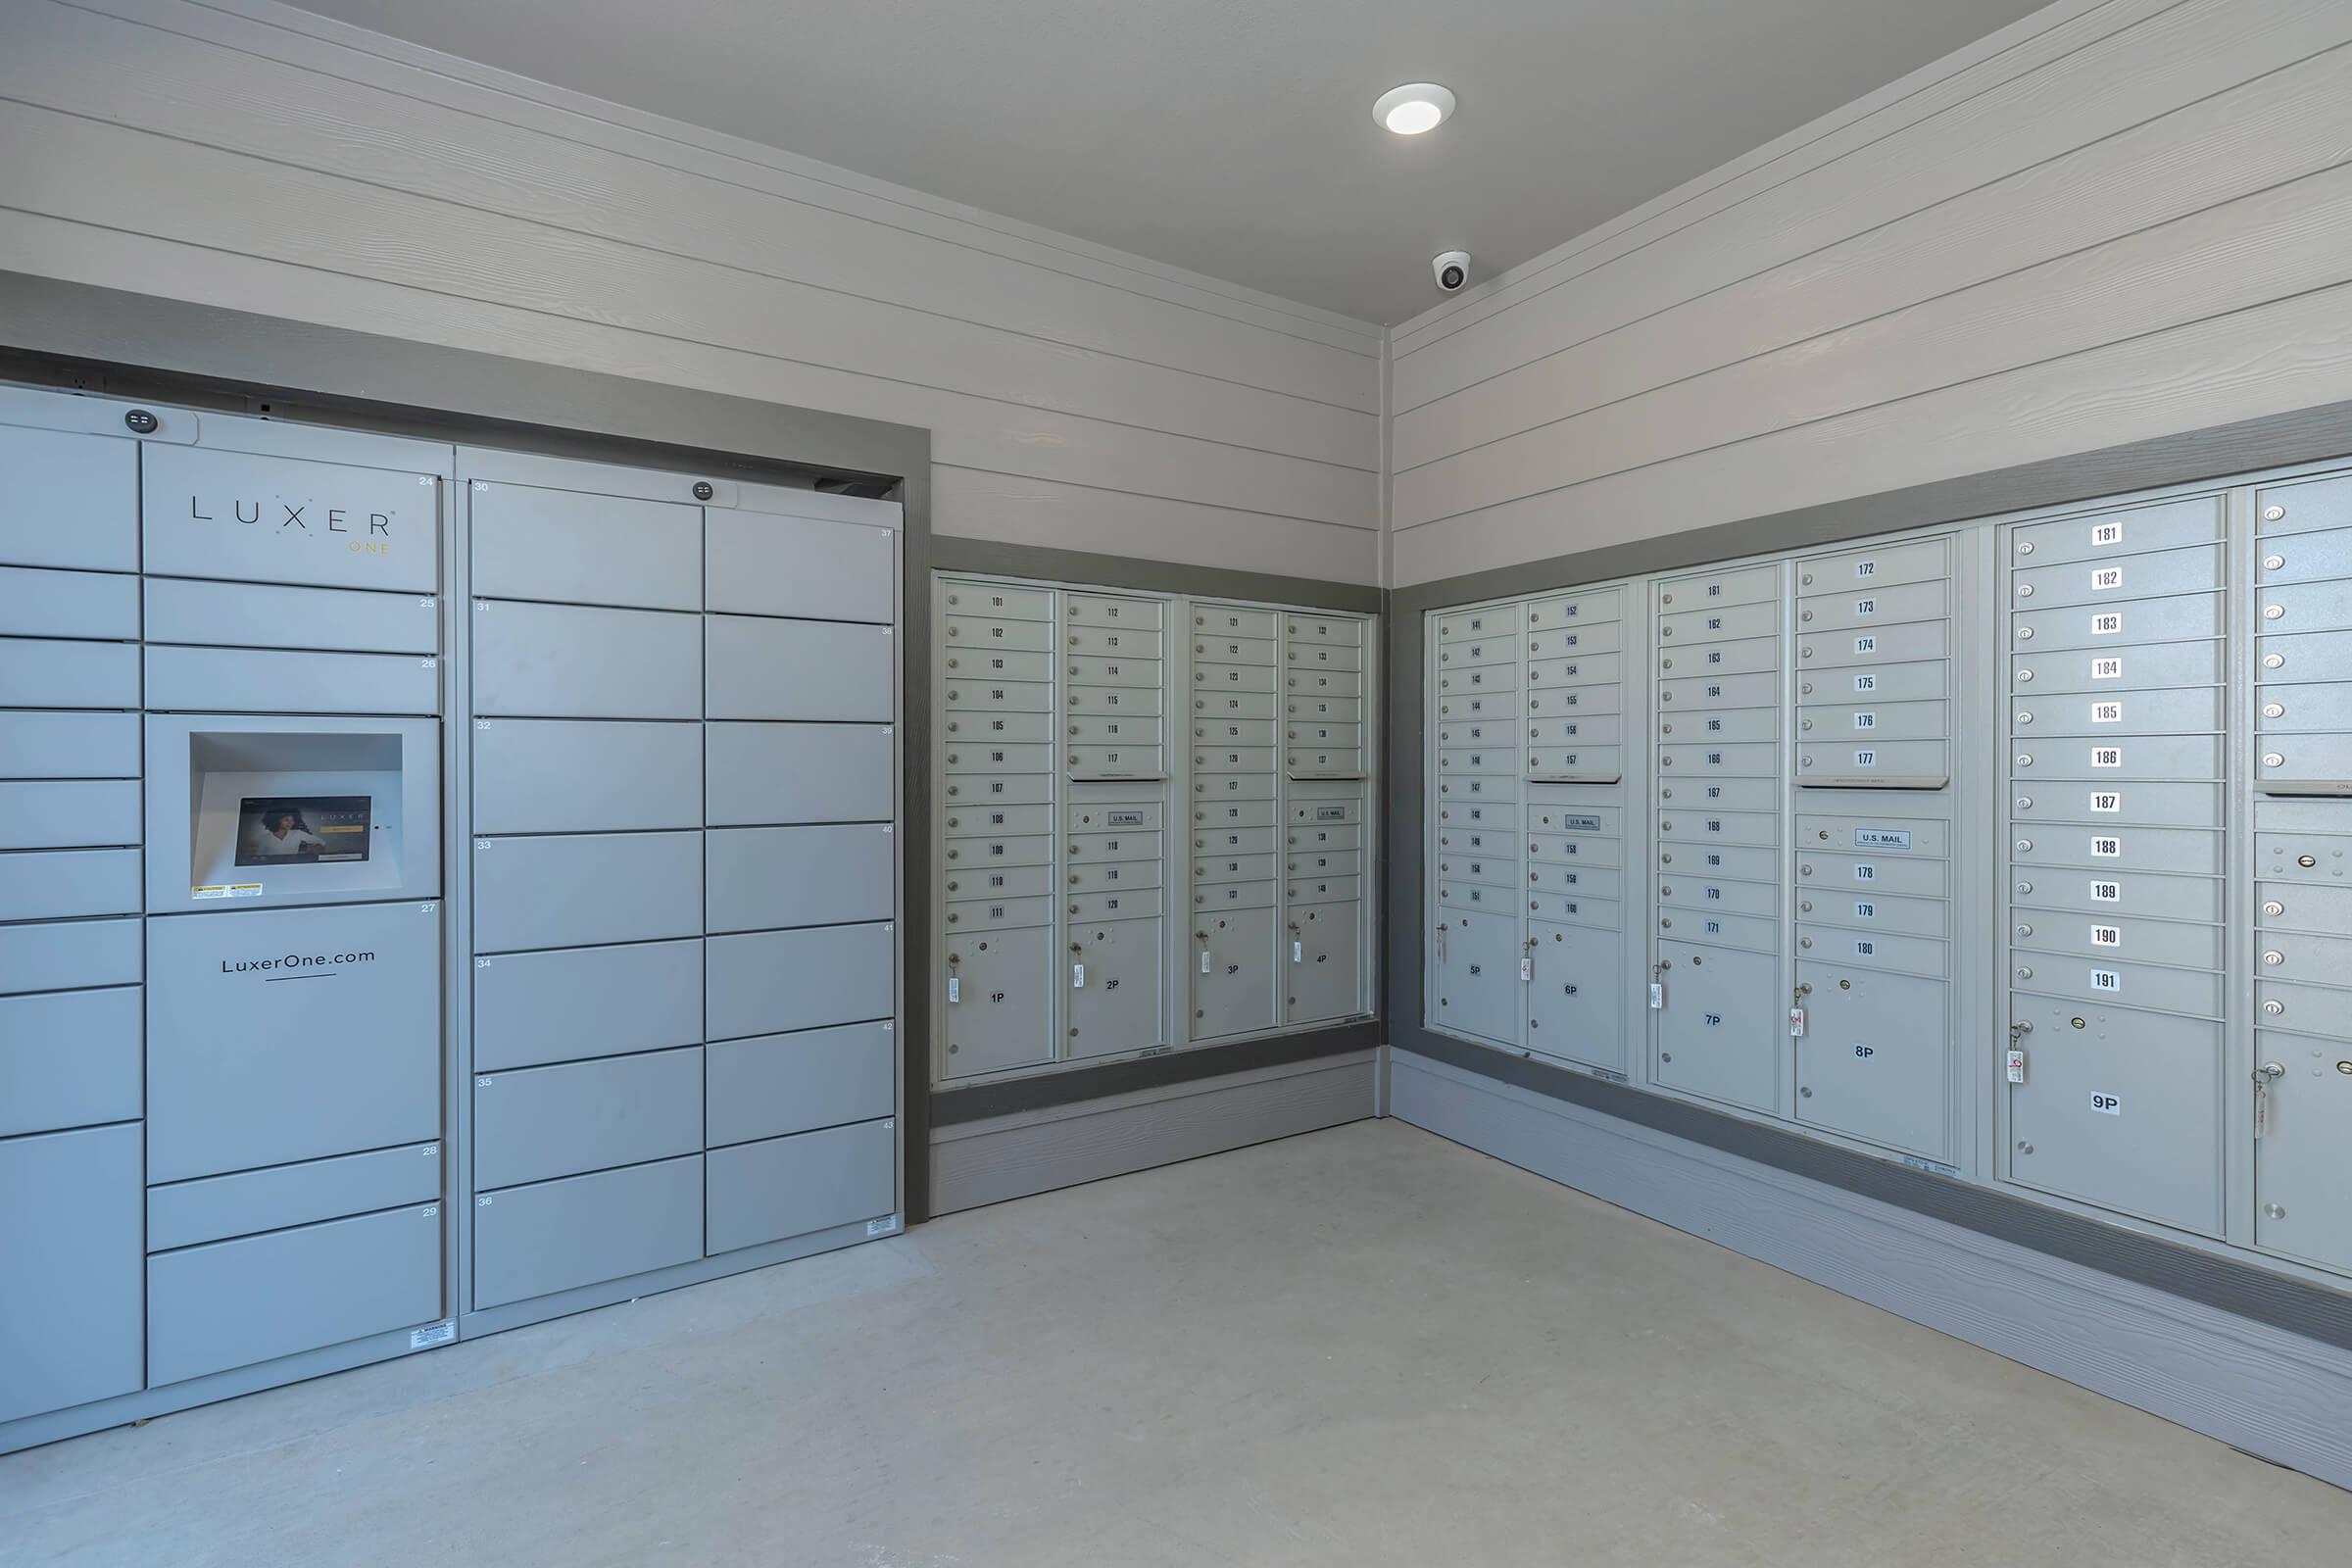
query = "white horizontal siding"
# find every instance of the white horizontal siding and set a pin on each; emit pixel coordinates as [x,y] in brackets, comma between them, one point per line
[257,158]
[2082,232]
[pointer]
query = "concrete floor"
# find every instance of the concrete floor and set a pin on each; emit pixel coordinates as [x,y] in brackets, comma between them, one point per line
[1363,1346]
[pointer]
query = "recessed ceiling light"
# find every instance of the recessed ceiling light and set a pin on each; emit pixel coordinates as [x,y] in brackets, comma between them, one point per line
[1413,108]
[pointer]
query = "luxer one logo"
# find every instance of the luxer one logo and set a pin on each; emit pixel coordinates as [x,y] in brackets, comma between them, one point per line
[361,532]
[292,961]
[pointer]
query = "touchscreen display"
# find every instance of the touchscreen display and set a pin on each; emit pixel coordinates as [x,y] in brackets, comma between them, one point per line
[295,829]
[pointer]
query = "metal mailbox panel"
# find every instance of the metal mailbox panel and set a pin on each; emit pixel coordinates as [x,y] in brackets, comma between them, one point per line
[1000,882]
[1092,669]
[763,877]
[1113,906]
[1866,873]
[70,954]
[536,1241]
[1115,761]
[2115,713]
[1924,681]
[1713,624]
[1874,1060]
[207,513]
[1323,862]
[1871,909]
[1883,645]
[2094,758]
[1714,727]
[68,1059]
[577,1003]
[1610,699]
[2286,1005]
[2176,618]
[976,791]
[1544,674]
[1891,765]
[976,852]
[1240,786]
[535,1123]
[1215,678]
[246,614]
[1469,625]
[239,1302]
[1114,970]
[2195,519]
[1880,720]
[561,775]
[2108,671]
[1326,836]
[1235,732]
[1233,975]
[1750,863]
[1112,642]
[999,1003]
[998,663]
[2324,758]
[765,564]
[2109,980]
[1759,794]
[578,888]
[2134,803]
[1720,1030]
[1237,841]
[994,634]
[249,680]
[1113,814]
[997,912]
[989,599]
[568,661]
[1477,989]
[73,502]
[67,604]
[784,1187]
[1338,630]
[2176,898]
[578,547]
[2295,956]
[63,744]
[1234,813]
[1721,691]
[1879,566]
[1104,878]
[1579,909]
[1758,934]
[988,695]
[1735,759]
[1498,871]
[1099,610]
[2287,711]
[71,1293]
[1877,949]
[1221,705]
[67,884]
[994,821]
[2299,1161]
[2305,558]
[2300,856]
[1129,843]
[797,669]
[1349,763]
[1720,827]
[1595,604]
[1604,882]
[1325,970]
[2306,907]
[1143,702]
[1238,622]
[2306,606]
[774,982]
[216,1208]
[1752,657]
[1569,642]
[1575,995]
[2193,852]
[1698,891]
[776,1085]
[278,1035]
[2170,571]
[1499,649]
[1143,729]
[1323,889]
[56,674]
[58,814]
[1737,585]
[2124,1112]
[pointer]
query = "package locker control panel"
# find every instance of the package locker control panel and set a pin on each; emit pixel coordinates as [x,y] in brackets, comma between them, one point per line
[1152,822]
[439,887]
[2017,851]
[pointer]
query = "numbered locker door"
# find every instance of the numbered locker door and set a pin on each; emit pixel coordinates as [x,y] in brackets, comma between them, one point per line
[1233,970]
[1114,970]
[1478,987]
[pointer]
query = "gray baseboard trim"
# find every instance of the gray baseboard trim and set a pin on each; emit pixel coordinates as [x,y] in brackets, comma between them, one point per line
[2280,1395]
[1075,1086]
[999,1157]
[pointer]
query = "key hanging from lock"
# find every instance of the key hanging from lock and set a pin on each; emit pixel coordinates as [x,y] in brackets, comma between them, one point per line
[2269,1073]
[2014,1065]
[1657,985]
[1796,1011]
[1527,960]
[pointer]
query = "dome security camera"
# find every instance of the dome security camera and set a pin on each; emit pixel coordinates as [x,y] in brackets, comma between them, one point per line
[1452,271]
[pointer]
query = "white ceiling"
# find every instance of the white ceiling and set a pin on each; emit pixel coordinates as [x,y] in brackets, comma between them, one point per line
[1233,137]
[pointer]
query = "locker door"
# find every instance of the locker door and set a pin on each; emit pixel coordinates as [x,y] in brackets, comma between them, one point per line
[1324,956]
[2303,1153]
[1478,989]
[1114,986]
[999,1001]
[1575,1006]
[1233,972]
[1719,1033]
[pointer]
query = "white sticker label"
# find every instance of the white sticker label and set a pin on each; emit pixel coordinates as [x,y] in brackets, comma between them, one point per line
[2107,893]
[1866,645]
[1866,721]
[2106,1104]
[2015,1067]
[1077,977]
[2103,578]
[1205,961]
[1865,948]
[2106,980]
[2107,667]
[1865,911]
[437,1333]
[1866,607]
[2106,801]
[2106,623]
[227,890]
[954,989]
[2106,936]
[1867,681]
[882,1227]
[1864,871]
[2106,848]
[2106,533]
[2106,757]
[1866,758]
[2107,712]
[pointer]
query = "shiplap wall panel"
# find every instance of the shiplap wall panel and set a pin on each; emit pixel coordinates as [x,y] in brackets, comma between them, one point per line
[2165,203]
[1283,432]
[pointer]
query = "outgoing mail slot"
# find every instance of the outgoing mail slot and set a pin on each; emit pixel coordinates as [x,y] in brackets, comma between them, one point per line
[998,696]
[1020,636]
[1574,640]
[1115,814]
[756,878]
[1739,586]
[1714,727]
[67,604]
[70,954]
[585,777]
[69,884]
[578,547]
[1866,721]
[2108,580]
[68,1059]
[1870,647]
[1110,642]
[766,564]
[989,599]
[51,673]
[566,662]
[1864,606]
[1210,679]
[1232,623]
[575,1002]
[231,515]
[1097,610]
[772,982]
[2194,519]
[58,814]
[762,773]
[244,614]
[576,889]
[1885,837]
[1923,680]
[73,502]
[755,667]
[1585,670]
[1318,810]
[1575,817]
[1880,566]
[69,746]
[1231,650]
[785,1187]
[537,1123]
[2176,618]
[1717,625]
[1870,909]
[1752,657]
[2113,980]
[981,755]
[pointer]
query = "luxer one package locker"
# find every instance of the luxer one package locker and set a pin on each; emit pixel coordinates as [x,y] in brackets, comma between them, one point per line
[1152,822]
[2015,851]
[252,1062]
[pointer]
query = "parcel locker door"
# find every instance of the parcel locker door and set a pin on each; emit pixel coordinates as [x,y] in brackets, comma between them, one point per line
[1874,1060]
[71,1227]
[1324,961]
[278,1035]
[72,500]
[1575,993]
[1719,1033]
[1478,991]
[999,1001]
[768,564]
[1233,979]
[2303,1153]
[1114,998]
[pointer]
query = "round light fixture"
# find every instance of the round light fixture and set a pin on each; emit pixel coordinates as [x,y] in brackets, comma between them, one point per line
[1413,108]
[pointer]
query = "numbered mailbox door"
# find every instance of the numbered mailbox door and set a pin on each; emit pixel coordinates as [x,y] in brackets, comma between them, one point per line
[1233,979]
[1324,961]
[1575,993]
[1114,986]
[1000,1001]
[1478,988]
[1721,1025]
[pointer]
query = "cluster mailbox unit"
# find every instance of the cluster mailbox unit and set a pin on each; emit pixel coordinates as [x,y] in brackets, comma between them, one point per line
[1151,817]
[286,1082]
[2014,851]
